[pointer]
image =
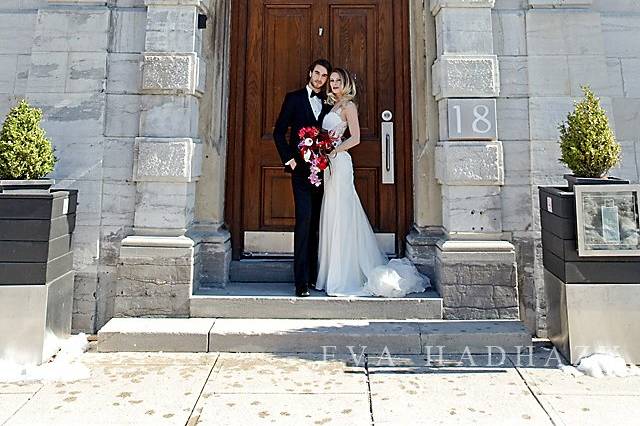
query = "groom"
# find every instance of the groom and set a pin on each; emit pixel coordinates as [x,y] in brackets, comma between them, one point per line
[303,108]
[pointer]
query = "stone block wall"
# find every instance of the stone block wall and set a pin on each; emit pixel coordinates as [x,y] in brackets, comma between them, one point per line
[546,50]
[17,26]
[80,62]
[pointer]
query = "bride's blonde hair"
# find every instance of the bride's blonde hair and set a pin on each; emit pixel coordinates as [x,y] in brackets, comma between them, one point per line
[348,87]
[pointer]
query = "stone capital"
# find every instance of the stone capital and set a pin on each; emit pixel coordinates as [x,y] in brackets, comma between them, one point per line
[466,76]
[436,5]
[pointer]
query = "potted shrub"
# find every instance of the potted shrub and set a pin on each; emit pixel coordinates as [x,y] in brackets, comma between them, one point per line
[589,149]
[36,223]
[583,291]
[26,154]
[588,145]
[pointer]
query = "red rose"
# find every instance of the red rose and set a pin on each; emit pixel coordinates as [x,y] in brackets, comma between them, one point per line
[323,162]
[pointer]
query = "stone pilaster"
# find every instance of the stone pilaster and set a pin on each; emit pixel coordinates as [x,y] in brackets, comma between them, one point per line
[156,268]
[475,271]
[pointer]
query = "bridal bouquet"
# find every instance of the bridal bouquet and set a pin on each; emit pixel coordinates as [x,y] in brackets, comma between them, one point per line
[314,147]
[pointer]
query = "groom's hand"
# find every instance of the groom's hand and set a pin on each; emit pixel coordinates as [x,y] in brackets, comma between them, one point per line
[292,164]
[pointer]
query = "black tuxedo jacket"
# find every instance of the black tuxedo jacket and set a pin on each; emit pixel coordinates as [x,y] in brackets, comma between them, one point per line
[296,113]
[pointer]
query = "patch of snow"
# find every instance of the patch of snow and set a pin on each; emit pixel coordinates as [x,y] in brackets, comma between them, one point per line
[62,367]
[602,365]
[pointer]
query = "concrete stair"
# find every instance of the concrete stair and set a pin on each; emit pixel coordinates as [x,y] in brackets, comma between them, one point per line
[276,301]
[257,312]
[261,270]
[311,336]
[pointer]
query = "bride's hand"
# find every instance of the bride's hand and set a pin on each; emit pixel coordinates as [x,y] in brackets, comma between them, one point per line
[333,154]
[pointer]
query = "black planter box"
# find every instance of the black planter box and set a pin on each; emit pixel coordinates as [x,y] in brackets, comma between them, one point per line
[583,318]
[36,270]
[35,236]
[559,245]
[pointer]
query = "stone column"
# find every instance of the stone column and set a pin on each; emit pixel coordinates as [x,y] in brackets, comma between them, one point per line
[213,240]
[155,272]
[475,270]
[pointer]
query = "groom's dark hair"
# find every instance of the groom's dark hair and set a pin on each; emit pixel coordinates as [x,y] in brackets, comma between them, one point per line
[322,62]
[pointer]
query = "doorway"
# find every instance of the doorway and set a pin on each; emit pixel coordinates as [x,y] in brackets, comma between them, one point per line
[273,42]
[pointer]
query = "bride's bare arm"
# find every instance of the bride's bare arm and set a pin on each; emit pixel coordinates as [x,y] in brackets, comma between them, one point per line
[351,113]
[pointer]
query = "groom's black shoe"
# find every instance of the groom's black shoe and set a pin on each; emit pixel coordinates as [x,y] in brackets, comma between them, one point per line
[302,291]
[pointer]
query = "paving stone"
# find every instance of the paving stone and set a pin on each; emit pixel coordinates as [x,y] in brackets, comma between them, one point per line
[453,394]
[259,409]
[149,358]
[27,388]
[11,403]
[122,394]
[543,375]
[288,373]
[581,410]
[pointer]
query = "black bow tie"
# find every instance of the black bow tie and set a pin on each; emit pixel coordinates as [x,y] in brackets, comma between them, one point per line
[318,94]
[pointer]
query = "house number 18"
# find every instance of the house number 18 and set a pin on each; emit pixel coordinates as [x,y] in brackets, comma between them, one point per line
[473,119]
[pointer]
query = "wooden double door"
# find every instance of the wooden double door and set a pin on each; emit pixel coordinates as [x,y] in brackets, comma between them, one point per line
[273,43]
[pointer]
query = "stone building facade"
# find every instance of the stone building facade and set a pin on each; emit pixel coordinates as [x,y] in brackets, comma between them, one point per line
[136,101]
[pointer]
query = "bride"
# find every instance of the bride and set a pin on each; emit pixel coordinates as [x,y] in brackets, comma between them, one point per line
[350,261]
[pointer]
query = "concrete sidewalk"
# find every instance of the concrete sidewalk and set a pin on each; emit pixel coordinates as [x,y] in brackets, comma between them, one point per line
[364,389]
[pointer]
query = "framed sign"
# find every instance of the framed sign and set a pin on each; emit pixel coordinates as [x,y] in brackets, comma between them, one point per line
[608,222]
[472,119]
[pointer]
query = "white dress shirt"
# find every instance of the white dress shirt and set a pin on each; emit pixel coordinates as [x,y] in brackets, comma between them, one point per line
[316,103]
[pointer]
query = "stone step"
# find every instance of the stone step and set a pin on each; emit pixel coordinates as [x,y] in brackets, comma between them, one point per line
[312,336]
[276,300]
[261,270]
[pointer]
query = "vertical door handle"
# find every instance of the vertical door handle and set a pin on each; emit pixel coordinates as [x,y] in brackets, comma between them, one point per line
[387,153]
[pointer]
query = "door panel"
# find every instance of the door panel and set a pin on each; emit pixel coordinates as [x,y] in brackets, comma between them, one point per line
[285,54]
[282,38]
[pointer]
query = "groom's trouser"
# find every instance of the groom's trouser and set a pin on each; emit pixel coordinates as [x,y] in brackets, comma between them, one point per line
[308,201]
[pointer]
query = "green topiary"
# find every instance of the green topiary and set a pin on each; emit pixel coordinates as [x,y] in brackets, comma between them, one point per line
[588,145]
[25,152]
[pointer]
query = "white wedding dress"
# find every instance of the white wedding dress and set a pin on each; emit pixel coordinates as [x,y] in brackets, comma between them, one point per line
[350,262]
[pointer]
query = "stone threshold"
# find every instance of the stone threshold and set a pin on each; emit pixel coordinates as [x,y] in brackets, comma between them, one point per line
[401,337]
